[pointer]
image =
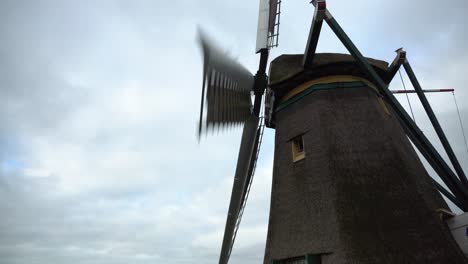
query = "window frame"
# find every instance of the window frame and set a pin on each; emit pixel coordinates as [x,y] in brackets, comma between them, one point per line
[296,143]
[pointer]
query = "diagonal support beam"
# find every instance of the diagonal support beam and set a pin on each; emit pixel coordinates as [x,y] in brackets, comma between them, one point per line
[396,64]
[314,33]
[420,140]
[435,123]
[437,169]
[447,194]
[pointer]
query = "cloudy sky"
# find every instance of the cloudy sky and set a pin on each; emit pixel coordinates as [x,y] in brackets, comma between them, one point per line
[99,160]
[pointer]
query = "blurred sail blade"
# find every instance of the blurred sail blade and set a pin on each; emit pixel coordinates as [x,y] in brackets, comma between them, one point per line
[209,97]
[227,88]
[247,152]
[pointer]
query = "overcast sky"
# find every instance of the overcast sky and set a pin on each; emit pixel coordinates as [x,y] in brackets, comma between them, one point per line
[99,100]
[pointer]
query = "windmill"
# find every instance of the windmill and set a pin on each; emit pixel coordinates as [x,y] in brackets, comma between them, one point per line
[347,184]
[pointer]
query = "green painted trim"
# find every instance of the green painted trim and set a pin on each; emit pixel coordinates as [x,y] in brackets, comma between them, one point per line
[319,87]
[314,259]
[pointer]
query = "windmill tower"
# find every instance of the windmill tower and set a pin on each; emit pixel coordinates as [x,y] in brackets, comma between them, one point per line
[348,186]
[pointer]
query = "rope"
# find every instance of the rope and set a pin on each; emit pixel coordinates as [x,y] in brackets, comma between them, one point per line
[459,119]
[407,97]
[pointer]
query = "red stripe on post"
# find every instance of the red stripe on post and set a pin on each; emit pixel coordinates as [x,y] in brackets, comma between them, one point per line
[425,91]
[321,5]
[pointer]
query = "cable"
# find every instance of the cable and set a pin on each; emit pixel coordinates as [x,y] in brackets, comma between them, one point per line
[461,123]
[407,97]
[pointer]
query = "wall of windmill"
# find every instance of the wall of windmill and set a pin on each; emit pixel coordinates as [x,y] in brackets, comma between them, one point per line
[360,174]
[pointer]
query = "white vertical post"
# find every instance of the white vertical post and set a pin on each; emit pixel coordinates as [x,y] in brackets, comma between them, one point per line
[263,25]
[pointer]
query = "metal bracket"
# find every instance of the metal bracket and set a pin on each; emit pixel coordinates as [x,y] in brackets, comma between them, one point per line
[395,66]
[444,214]
[269,108]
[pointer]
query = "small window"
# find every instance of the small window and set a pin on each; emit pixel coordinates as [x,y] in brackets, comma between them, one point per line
[298,148]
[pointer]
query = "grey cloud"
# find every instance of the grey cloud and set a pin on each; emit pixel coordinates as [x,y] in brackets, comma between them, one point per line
[105,96]
[39,225]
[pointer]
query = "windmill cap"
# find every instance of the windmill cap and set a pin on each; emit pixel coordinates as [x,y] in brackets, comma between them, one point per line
[286,71]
